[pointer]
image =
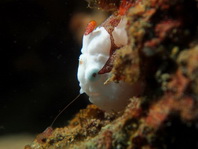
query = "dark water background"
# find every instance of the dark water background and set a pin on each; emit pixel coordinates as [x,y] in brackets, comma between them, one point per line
[39,59]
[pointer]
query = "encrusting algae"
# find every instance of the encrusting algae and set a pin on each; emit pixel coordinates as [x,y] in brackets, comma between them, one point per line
[162,51]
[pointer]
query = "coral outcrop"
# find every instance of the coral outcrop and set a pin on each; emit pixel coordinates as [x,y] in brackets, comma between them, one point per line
[162,51]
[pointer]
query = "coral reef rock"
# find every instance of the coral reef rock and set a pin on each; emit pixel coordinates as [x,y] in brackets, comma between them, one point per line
[163,52]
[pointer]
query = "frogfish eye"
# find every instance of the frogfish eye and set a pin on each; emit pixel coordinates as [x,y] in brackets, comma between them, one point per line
[93,75]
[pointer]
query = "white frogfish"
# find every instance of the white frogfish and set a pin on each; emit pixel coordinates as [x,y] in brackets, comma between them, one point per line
[97,48]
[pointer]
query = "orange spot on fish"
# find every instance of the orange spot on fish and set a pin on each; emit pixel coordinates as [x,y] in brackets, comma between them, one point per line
[80,62]
[90,27]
